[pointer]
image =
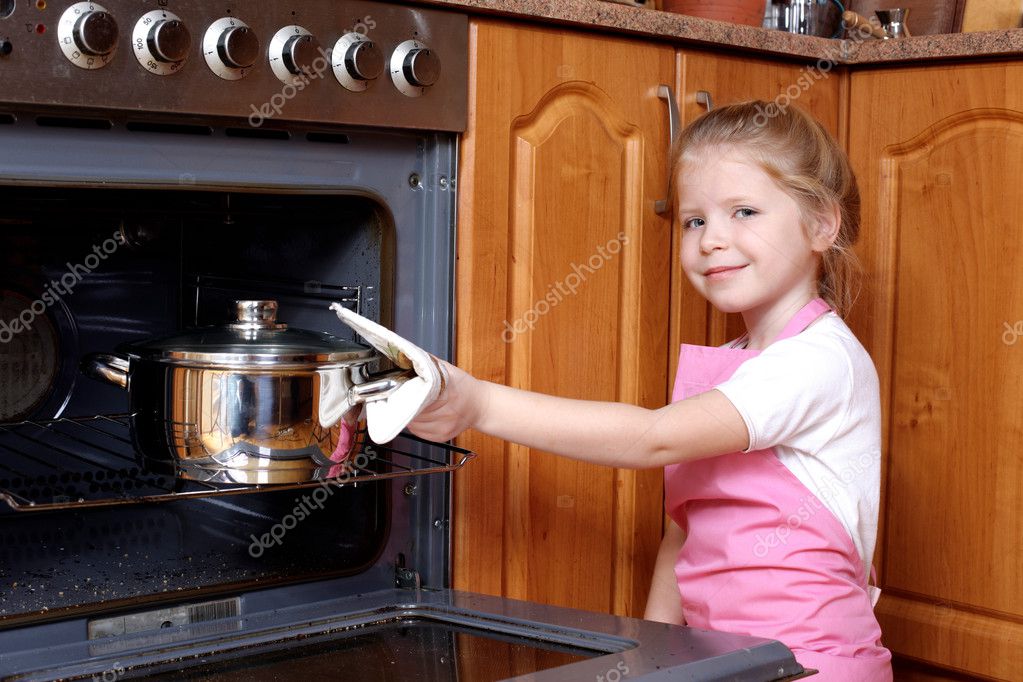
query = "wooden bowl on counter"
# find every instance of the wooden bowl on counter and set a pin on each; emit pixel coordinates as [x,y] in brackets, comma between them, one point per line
[748,12]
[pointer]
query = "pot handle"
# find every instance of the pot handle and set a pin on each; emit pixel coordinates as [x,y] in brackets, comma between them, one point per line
[113,369]
[382,385]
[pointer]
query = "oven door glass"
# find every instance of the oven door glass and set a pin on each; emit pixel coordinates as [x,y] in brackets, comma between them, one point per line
[409,649]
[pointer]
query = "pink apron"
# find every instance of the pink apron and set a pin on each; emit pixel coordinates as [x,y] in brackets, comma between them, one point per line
[763,556]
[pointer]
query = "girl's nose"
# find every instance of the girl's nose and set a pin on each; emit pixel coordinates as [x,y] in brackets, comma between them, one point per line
[713,236]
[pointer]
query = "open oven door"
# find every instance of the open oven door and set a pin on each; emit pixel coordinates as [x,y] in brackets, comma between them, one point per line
[398,634]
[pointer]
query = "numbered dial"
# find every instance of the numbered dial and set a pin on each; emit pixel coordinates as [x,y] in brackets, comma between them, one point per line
[230,48]
[87,35]
[414,68]
[161,42]
[294,52]
[357,60]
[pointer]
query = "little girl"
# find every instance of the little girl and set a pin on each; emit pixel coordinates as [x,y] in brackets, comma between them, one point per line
[771,446]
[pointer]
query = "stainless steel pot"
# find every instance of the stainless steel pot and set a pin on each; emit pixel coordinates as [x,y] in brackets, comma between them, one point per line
[807,17]
[247,402]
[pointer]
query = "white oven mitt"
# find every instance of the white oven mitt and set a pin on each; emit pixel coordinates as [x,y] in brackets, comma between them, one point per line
[385,417]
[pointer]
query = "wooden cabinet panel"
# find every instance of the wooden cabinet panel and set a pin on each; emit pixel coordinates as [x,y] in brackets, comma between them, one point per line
[942,231]
[736,78]
[562,288]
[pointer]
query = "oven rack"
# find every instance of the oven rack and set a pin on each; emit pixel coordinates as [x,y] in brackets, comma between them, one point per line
[345,293]
[82,462]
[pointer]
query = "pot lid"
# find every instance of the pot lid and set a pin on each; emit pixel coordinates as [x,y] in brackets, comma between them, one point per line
[254,339]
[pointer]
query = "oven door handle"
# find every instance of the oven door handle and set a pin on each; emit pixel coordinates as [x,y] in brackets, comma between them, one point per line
[107,367]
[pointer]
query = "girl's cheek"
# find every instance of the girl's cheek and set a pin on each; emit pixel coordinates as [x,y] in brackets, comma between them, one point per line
[694,278]
[689,262]
[689,251]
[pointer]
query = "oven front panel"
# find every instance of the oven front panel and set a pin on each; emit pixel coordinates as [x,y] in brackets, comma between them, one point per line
[209,216]
[49,61]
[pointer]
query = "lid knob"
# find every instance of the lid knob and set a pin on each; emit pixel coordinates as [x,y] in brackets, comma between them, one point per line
[255,315]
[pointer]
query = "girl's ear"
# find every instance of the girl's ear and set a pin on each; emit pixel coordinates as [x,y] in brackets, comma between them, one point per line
[825,230]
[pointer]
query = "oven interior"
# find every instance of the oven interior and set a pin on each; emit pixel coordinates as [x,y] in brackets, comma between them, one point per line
[162,261]
[173,259]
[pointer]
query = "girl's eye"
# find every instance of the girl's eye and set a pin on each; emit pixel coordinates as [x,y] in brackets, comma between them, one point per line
[745,213]
[690,223]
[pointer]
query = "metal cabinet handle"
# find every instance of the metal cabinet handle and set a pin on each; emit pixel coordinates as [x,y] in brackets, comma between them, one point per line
[703,97]
[674,125]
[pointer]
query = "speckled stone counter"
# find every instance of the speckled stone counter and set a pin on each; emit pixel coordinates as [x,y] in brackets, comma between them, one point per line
[683,30]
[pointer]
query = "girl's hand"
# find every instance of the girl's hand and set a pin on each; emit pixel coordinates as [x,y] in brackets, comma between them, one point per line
[457,408]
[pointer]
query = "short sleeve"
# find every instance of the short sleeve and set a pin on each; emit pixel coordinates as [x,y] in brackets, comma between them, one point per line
[796,393]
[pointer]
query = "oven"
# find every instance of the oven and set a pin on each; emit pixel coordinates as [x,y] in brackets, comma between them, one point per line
[160,161]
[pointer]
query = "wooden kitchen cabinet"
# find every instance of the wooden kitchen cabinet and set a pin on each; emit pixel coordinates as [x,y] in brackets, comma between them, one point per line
[562,287]
[566,147]
[939,154]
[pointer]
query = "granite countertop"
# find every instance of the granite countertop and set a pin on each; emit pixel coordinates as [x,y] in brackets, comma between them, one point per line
[613,17]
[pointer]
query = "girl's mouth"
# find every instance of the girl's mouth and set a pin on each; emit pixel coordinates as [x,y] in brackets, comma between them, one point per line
[722,272]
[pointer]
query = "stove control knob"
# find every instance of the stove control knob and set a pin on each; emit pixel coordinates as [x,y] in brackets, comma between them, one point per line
[299,54]
[421,67]
[161,42]
[294,53]
[170,40]
[87,34]
[356,61]
[96,33]
[238,47]
[414,68]
[230,48]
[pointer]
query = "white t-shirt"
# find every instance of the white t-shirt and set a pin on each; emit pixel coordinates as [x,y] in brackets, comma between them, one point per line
[814,398]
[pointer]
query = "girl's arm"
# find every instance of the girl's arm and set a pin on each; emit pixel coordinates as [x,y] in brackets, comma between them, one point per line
[664,603]
[613,434]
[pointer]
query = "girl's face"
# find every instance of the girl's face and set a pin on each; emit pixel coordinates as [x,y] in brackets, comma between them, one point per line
[743,243]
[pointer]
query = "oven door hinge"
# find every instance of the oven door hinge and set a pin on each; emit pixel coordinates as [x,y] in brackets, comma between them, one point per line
[406,578]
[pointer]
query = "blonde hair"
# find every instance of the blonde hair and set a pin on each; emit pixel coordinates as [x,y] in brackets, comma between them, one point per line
[806,162]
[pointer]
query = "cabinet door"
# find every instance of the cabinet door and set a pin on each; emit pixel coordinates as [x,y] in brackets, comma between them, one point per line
[706,78]
[562,288]
[939,155]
